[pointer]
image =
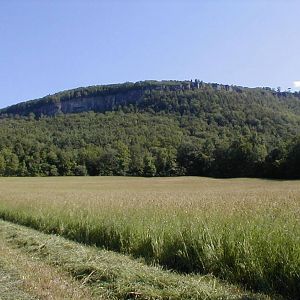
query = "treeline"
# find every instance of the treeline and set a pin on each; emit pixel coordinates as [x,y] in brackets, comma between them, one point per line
[145,144]
[242,158]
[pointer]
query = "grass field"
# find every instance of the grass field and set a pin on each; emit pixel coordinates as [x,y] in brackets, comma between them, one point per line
[41,266]
[246,231]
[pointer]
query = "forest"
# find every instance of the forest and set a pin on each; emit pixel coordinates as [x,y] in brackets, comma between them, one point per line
[171,129]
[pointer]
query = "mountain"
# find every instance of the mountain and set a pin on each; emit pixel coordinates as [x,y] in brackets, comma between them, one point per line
[169,96]
[154,128]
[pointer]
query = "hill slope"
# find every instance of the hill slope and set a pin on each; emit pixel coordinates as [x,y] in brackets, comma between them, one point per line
[168,96]
[153,128]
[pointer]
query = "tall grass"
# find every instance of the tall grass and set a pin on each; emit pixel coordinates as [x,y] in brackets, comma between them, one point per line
[244,231]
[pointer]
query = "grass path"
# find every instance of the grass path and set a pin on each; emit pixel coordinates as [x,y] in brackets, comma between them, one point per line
[49,264]
[11,286]
[24,277]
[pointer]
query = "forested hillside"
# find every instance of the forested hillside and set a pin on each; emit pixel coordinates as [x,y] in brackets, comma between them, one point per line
[154,129]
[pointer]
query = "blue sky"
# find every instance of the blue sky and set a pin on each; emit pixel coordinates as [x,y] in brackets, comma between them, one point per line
[49,46]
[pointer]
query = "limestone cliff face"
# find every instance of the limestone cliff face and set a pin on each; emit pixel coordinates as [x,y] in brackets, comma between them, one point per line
[101,103]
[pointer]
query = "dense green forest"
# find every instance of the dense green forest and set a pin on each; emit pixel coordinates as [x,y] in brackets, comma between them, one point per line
[154,129]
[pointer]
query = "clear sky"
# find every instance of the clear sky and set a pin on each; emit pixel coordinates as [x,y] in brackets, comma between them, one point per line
[49,46]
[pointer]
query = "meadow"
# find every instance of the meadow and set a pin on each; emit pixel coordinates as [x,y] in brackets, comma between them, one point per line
[245,231]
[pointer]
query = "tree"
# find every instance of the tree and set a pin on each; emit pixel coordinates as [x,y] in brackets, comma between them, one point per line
[108,163]
[292,162]
[123,158]
[53,171]
[149,166]
[192,160]
[11,162]
[89,157]
[136,166]
[80,170]
[165,161]
[274,163]
[23,169]
[2,165]
[66,163]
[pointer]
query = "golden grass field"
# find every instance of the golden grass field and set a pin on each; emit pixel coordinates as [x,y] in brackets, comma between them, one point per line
[246,231]
[170,195]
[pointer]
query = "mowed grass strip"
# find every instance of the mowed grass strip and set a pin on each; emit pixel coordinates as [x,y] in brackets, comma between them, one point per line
[23,276]
[246,231]
[11,286]
[103,274]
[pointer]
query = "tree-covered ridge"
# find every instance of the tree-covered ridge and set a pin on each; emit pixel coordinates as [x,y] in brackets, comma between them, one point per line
[34,106]
[182,97]
[171,128]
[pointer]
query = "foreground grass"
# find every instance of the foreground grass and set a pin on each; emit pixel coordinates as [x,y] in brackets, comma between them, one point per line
[24,277]
[11,286]
[245,231]
[44,260]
